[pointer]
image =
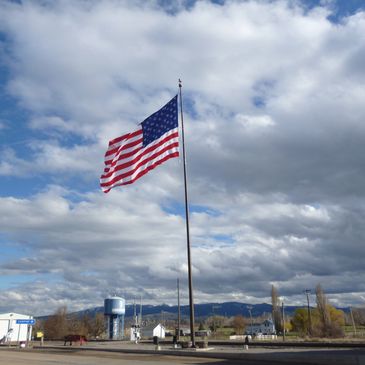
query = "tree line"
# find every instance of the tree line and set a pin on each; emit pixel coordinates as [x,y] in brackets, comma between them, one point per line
[61,324]
[324,320]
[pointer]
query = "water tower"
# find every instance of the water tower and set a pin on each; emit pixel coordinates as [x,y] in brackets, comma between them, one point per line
[114,311]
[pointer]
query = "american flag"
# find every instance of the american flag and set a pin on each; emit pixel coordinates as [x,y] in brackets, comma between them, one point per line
[131,156]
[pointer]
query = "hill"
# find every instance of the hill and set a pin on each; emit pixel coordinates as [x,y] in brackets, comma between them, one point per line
[227,309]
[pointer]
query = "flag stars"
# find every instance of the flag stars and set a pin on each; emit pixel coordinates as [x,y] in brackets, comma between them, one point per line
[160,122]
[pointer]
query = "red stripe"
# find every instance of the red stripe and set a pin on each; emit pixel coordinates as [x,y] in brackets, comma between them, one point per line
[109,170]
[122,147]
[132,171]
[125,136]
[137,159]
[147,150]
[118,139]
[143,162]
[115,151]
[143,172]
[111,163]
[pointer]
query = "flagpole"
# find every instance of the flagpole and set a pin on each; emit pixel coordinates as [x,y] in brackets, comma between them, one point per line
[178,310]
[191,299]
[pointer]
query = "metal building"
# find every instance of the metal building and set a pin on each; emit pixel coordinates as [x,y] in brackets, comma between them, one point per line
[15,327]
[114,311]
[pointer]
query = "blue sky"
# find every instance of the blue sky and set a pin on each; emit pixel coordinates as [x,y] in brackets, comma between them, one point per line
[273,96]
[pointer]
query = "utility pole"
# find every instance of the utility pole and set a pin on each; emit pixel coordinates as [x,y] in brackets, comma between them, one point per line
[135,312]
[140,313]
[178,309]
[249,307]
[213,308]
[307,292]
[353,322]
[283,315]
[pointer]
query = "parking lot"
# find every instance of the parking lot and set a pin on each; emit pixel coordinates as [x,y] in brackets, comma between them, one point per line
[20,357]
[111,353]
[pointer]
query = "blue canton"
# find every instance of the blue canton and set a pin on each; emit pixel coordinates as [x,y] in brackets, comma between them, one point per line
[160,122]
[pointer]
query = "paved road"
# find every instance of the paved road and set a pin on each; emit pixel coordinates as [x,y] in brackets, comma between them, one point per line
[106,353]
[20,357]
[76,357]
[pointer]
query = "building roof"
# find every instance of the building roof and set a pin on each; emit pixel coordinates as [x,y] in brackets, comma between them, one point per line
[14,316]
[263,322]
[152,327]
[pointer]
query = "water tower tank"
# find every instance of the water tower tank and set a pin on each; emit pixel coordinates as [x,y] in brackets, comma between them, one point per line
[114,305]
[114,311]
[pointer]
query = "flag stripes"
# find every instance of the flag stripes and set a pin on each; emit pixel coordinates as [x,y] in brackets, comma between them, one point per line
[127,159]
[119,144]
[142,161]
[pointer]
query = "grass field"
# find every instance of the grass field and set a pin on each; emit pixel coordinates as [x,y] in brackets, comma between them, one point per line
[224,333]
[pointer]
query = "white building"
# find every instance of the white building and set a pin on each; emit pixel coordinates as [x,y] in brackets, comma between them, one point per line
[15,327]
[152,331]
[267,327]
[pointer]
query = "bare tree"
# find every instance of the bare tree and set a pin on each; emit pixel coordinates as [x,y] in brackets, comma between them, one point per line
[56,326]
[215,322]
[238,324]
[323,313]
[97,327]
[359,316]
[276,313]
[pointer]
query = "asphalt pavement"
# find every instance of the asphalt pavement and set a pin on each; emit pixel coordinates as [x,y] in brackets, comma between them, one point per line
[110,353]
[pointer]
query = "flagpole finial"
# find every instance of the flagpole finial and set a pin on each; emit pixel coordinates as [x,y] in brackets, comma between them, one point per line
[180,83]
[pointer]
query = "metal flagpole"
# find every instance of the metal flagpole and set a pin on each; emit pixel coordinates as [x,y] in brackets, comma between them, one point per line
[178,310]
[191,300]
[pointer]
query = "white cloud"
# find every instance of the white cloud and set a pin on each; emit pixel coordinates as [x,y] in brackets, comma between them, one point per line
[274,115]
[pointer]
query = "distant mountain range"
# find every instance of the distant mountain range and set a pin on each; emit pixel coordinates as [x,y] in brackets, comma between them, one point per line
[227,309]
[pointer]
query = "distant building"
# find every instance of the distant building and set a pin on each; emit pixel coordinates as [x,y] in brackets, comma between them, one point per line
[15,327]
[154,330]
[185,331]
[267,327]
[203,333]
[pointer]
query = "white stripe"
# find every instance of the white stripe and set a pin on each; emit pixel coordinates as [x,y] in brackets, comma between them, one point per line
[143,167]
[138,153]
[145,157]
[137,148]
[122,143]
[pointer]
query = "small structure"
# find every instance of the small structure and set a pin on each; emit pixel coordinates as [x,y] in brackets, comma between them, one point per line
[15,328]
[185,331]
[203,333]
[135,335]
[267,327]
[154,331]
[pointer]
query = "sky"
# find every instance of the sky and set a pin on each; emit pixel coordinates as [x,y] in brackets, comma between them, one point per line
[274,112]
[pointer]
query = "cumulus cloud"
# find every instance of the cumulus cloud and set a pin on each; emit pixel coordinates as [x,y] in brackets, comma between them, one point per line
[273,96]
